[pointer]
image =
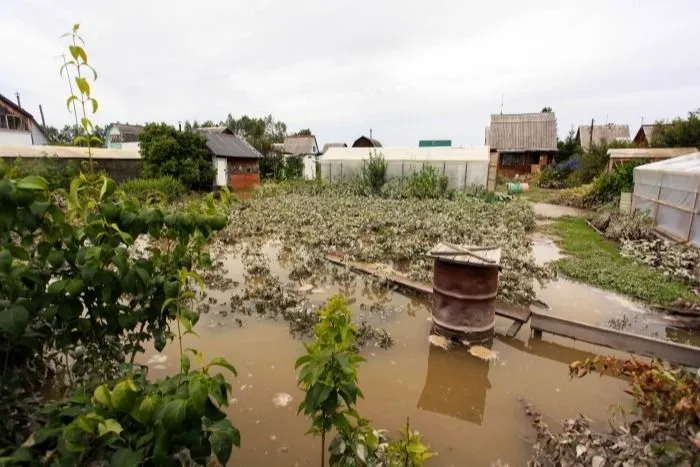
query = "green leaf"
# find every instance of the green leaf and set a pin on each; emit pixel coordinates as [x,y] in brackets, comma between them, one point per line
[123,397]
[18,252]
[108,187]
[56,258]
[94,104]
[83,85]
[222,437]
[109,426]
[125,457]
[173,414]
[5,260]
[303,360]
[87,125]
[78,52]
[103,396]
[85,424]
[185,364]
[198,392]
[220,361]
[71,100]
[33,182]
[76,26]
[171,288]
[74,287]
[145,408]
[58,287]
[14,320]
[38,208]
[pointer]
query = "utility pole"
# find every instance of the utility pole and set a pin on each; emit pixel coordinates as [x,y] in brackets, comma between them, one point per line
[590,138]
[501,104]
[19,103]
[370,133]
[70,86]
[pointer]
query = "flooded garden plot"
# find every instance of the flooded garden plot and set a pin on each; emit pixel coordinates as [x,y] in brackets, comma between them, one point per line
[272,276]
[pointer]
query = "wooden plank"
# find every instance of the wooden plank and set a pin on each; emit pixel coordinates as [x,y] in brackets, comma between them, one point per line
[619,340]
[514,328]
[521,315]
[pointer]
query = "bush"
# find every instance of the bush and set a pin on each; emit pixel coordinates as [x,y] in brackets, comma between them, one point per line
[549,178]
[154,189]
[58,173]
[374,172]
[426,184]
[293,167]
[180,154]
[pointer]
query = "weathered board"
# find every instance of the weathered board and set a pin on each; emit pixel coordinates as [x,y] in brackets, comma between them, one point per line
[519,315]
[619,340]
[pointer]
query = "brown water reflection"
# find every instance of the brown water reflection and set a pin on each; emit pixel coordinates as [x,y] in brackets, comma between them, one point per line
[468,410]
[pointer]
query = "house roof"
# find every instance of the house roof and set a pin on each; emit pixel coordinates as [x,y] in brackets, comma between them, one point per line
[17,108]
[64,152]
[333,145]
[216,129]
[647,132]
[127,129]
[225,144]
[523,132]
[298,145]
[609,133]
[375,142]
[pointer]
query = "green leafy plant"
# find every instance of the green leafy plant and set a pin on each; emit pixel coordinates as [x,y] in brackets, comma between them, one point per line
[328,372]
[328,376]
[374,172]
[166,188]
[426,184]
[79,64]
[78,299]
[408,450]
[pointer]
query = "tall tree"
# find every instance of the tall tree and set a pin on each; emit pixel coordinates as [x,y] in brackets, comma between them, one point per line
[303,132]
[679,133]
[546,109]
[180,154]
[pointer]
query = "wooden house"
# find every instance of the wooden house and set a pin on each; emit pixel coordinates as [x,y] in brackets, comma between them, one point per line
[601,134]
[18,127]
[237,163]
[522,143]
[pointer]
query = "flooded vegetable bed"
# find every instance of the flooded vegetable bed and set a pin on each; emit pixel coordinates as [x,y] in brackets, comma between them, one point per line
[470,411]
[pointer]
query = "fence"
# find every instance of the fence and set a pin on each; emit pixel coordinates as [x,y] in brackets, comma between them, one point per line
[460,174]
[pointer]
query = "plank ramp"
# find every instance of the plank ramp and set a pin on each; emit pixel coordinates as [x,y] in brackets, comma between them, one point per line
[518,315]
[627,342]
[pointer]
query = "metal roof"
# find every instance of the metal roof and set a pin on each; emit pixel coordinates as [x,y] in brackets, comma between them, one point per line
[228,145]
[300,145]
[374,142]
[523,132]
[602,133]
[64,152]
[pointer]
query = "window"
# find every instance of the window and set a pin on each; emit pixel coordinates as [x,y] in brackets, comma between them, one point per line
[12,122]
[115,138]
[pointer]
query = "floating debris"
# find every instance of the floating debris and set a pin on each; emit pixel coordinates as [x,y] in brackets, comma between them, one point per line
[483,353]
[439,341]
[281,399]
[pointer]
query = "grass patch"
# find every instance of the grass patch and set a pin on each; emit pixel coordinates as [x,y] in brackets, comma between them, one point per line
[594,260]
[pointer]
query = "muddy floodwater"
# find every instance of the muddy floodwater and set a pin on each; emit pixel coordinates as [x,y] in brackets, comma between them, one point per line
[470,411]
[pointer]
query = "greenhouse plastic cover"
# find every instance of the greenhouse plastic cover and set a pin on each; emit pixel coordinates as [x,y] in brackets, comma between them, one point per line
[668,191]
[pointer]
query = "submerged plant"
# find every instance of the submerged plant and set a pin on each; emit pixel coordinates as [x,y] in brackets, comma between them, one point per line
[328,373]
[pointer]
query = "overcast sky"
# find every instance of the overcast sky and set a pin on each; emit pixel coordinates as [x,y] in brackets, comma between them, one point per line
[407,69]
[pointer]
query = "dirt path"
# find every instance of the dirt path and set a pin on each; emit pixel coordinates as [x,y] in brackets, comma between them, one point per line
[552,211]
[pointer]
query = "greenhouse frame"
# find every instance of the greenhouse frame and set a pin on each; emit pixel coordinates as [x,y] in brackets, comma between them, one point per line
[669,191]
[464,167]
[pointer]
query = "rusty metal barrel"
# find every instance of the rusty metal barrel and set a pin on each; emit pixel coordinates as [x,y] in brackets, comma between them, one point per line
[465,284]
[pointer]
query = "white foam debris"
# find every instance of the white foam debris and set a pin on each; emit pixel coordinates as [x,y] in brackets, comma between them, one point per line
[281,399]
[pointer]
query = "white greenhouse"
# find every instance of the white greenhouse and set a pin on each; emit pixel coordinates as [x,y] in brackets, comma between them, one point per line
[668,191]
[463,167]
